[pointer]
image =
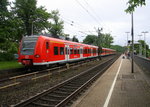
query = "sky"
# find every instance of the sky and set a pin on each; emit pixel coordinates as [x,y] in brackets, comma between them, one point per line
[82,17]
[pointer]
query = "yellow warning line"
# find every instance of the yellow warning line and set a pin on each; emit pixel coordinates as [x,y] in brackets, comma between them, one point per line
[10,85]
[41,76]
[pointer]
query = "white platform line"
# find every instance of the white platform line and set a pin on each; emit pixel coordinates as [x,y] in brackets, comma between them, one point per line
[112,87]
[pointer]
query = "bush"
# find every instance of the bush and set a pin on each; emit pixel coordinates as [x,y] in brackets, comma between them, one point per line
[6,57]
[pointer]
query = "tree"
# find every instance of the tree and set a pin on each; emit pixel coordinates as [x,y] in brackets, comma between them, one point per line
[90,39]
[137,47]
[56,26]
[132,4]
[118,48]
[4,19]
[107,39]
[75,39]
[7,26]
[104,40]
[41,21]
[34,19]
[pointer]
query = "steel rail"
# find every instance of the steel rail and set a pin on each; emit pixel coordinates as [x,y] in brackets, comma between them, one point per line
[15,80]
[62,93]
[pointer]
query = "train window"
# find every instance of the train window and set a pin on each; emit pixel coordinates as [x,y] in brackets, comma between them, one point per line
[28,45]
[55,50]
[94,51]
[47,45]
[89,51]
[84,51]
[75,51]
[71,51]
[78,51]
[61,50]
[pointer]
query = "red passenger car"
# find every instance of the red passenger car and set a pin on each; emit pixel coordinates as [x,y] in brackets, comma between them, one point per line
[43,50]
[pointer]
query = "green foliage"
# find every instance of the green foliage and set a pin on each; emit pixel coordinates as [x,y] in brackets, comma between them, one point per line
[75,39]
[34,19]
[90,39]
[137,48]
[56,26]
[132,4]
[13,48]
[24,18]
[25,10]
[118,48]
[9,65]
[104,40]
[41,22]
[6,56]
[4,19]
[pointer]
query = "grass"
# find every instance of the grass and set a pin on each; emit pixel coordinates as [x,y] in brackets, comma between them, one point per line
[9,65]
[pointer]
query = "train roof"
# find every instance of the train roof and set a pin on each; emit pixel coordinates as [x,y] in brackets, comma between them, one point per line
[65,41]
[60,40]
[109,49]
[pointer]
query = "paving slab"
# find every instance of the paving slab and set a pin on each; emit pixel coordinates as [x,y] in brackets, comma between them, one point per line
[118,87]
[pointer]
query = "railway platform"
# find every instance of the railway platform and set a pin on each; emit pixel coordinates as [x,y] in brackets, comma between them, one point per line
[118,87]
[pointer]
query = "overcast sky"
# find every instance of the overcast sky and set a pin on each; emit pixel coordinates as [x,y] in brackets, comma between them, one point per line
[83,17]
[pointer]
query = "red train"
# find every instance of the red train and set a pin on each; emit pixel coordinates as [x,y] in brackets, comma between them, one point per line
[43,50]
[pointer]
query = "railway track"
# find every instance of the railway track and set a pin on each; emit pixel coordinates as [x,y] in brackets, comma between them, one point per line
[64,92]
[33,76]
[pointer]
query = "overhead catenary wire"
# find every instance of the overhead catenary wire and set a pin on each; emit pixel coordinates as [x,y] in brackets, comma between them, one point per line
[93,17]
[97,16]
[76,26]
[93,14]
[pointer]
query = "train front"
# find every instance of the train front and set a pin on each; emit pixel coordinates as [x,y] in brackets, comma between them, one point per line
[26,50]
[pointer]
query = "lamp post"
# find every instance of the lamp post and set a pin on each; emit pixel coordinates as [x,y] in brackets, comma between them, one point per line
[127,41]
[132,34]
[127,36]
[140,46]
[145,42]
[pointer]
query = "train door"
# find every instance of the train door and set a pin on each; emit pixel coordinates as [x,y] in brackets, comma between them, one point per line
[92,52]
[47,45]
[67,52]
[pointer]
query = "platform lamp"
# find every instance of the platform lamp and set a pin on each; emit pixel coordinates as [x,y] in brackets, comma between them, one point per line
[144,32]
[127,41]
[140,46]
[132,34]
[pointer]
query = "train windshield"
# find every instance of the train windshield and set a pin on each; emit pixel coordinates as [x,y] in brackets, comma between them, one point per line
[28,45]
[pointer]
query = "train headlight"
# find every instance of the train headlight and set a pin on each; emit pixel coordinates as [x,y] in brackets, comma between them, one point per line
[37,56]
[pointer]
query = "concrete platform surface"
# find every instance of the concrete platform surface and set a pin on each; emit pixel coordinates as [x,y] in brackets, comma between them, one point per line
[118,87]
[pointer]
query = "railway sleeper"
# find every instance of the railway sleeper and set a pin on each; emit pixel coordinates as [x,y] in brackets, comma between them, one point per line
[66,89]
[54,96]
[80,81]
[50,100]
[41,105]
[72,87]
[62,92]
[47,101]
[75,83]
